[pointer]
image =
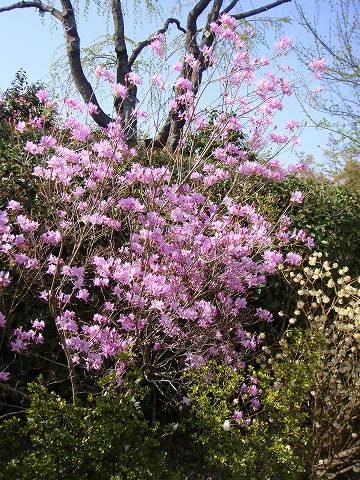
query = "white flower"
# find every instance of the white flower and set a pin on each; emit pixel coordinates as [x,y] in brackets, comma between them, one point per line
[226,426]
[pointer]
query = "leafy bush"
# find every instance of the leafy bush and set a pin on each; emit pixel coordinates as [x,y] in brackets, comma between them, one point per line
[104,437]
[235,439]
[331,214]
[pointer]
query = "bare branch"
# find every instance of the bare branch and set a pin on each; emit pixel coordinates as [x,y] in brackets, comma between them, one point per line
[140,46]
[305,23]
[11,389]
[229,7]
[42,7]
[256,11]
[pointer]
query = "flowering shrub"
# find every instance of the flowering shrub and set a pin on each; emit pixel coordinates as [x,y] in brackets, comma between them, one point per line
[126,258]
[134,260]
[155,265]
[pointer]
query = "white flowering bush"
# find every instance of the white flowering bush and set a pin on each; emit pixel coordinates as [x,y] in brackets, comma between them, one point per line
[329,303]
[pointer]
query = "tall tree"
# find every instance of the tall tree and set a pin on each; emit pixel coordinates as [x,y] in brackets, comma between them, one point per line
[194,38]
[339,43]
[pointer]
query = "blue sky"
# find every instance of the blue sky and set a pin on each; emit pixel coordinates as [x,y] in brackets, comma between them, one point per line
[32,42]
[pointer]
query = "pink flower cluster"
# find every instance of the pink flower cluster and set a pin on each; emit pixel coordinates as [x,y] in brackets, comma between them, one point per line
[317,66]
[157,44]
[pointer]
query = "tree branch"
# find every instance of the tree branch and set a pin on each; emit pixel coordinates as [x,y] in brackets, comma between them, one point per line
[67,18]
[11,389]
[256,11]
[120,45]
[191,44]
[316,36]
[229,7]
[124,107]
[42,7]
[208,36]
[140,46]
[74,56]
[171,131]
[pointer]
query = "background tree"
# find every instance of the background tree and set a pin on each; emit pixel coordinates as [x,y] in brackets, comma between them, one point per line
[343,166]
[339,44]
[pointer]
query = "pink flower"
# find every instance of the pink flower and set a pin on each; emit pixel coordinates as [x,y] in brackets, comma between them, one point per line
[4,279]
[183,83]
[34,149]
[292,124]
[2,320]
[284,43]
[228,21]
[81,133]
[83,294]
[191,60]
[293,259]
[177,66]
[74,103]
[297,197]
[157,44]
[4,376]
[133,78]
[51,237]
[38,324]
[13,205]
[237,415]
[215,28]
[20,127]
[264,314]
[26,224]
[103,72]
[42,95]
[318,90]
[279,137]
[161,84]
[317,66]
[44,295]
[92,108]
[48,141]
[285,87]
[36,122]
[120,90]
[208,53]
[140,113]
[109,306]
